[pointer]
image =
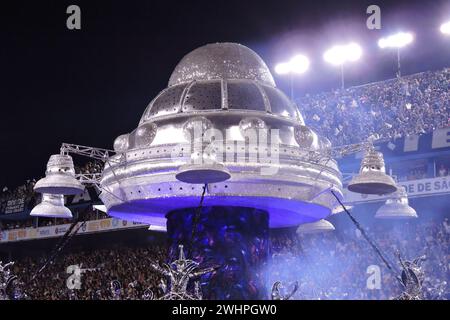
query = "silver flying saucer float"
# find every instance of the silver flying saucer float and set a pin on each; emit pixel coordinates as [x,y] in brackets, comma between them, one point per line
[222,122]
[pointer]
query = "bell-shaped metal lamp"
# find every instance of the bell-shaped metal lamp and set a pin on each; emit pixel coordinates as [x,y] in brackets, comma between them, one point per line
[315,227]
[52,206]
[372,177]
[202,169]
[59,177]
[396,207]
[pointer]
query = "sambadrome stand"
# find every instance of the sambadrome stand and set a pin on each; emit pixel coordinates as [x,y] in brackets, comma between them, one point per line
[223,130]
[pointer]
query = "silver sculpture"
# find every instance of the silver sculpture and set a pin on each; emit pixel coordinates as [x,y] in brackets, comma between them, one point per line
[179,273]
[10,287]
[60,177]
[52,206]
[397,206]
[412,277]
[5,279]
[277,291]
[372,177]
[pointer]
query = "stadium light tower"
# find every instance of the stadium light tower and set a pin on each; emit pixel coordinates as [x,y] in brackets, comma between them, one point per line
[297,65]
[341,54]
[397,41]
[445,28]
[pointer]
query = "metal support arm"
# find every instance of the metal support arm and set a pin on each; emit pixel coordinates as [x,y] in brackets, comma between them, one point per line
[89,178]
[91,152]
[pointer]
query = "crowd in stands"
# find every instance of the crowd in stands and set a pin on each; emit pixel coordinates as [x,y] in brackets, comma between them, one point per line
[89,167]
[128,265]
[395,108]
[24,191]
[335,265]
[442,171]
[327,265]
[411,174]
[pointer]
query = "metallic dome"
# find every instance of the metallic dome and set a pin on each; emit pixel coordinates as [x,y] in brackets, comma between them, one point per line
[221,61]
[222,77]
[233,96]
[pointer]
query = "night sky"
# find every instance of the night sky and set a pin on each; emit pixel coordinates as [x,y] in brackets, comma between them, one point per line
[90,85]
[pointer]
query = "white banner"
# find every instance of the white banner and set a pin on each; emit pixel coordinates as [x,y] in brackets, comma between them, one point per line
[14,206]
[110,224]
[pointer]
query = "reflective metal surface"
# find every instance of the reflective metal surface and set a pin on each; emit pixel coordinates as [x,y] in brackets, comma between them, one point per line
[315,227]
[59,177]
[52,206]
[215,95]
[179,273]
[396,207]
[221,61]
[372,177]
[202,173]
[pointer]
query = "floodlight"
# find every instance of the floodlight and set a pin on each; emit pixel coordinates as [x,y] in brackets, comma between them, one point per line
[398,40]
[353,52]
[340,54]
[299,64]
[445,28]
[282,68]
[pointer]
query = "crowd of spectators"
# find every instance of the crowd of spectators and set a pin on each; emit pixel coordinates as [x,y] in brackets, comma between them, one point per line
[335,265]
[331,265]
[411,174]
[24,191]
[395,108]
[89,167]
[128,265]
[442,171]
